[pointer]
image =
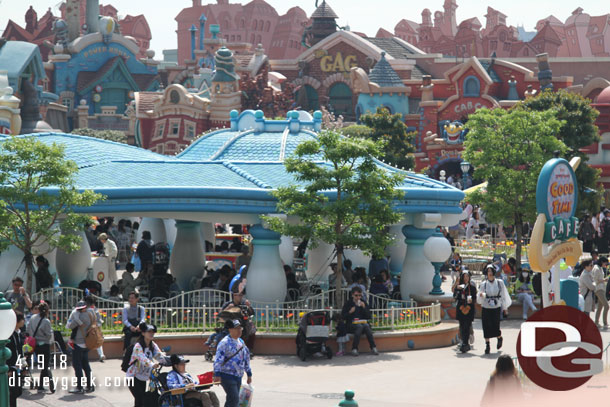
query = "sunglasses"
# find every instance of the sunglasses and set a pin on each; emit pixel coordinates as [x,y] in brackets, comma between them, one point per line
[357,295]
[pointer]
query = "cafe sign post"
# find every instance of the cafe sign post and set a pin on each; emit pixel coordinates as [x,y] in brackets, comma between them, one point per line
[555,232]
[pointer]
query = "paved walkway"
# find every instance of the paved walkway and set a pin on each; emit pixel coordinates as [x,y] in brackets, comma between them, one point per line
[418,378]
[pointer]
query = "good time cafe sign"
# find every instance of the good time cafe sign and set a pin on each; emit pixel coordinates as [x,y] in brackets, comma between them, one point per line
[556,225]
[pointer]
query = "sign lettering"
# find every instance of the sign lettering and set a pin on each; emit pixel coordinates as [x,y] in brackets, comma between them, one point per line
[338,63]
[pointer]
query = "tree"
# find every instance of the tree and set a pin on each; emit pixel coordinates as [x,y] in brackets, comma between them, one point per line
[508,149]
[578,130]
[110,135]
[37,189]
[342,198]
[398,150]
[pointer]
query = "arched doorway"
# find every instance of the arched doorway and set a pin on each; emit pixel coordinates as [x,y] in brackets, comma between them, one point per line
[307,98]
[340,100]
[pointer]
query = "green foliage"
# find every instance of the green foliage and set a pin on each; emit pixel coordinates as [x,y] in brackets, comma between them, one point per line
[111,135]
[347,201]
[37,190]
[357,131]
[508,149]
[578,130]
[391,129]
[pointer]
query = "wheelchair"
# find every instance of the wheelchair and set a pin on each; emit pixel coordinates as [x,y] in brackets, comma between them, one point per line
[174,397]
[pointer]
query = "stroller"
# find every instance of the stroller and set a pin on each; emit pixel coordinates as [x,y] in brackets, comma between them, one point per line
[213,342]
[233,312]
[314,330]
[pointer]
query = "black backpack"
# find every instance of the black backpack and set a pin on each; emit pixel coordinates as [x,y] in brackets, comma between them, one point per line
[537,284]
[125,365]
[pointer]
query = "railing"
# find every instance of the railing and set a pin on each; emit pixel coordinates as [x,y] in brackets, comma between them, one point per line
[198,311]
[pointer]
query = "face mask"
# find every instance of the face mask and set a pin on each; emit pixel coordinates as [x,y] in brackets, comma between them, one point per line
[524,274]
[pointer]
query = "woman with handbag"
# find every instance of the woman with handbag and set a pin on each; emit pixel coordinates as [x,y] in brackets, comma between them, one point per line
[464,292]
[231,361]
[495,300]
[82,317]
[41,330]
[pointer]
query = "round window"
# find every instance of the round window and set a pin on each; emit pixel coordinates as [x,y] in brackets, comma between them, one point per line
[174,97]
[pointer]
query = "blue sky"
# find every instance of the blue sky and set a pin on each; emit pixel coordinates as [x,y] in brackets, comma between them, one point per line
[361,15]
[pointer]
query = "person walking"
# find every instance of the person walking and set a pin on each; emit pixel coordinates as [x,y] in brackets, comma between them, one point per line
[133,316]
[586,283]
[111,252]
[40,329]
[231,362]
[600,291]
[91,303]
[464,292]
[504,387]
[495,300]
[82,317]
[525,291]
[145,251]
[142,362]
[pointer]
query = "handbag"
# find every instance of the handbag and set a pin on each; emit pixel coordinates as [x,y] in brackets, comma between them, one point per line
[31,340]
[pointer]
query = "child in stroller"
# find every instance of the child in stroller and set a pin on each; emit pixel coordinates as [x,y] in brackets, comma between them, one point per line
[212,342]
[314,330]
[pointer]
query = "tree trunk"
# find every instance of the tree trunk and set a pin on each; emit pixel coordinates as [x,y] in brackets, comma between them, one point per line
[339,277]
[28,259]
[519,229]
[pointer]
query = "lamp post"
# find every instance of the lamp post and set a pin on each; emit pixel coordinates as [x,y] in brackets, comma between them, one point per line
[442,175]
[437,249]
[465,167]
[7,326]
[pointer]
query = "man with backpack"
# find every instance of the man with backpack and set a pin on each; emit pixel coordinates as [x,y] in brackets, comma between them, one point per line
[133,316]
[83,318]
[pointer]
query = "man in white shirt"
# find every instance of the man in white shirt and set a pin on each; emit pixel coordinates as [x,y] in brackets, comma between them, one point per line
[110,251]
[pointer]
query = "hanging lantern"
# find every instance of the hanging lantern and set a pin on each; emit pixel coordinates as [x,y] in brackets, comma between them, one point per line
[98,88]
[97,97]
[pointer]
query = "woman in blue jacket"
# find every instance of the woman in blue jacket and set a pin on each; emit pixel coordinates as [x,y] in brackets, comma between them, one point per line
[232,360]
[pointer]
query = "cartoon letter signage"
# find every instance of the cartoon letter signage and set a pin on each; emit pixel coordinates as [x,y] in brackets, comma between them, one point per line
[556,225]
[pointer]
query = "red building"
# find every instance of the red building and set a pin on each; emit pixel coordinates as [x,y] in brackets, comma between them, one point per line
[255,23]
[36,31]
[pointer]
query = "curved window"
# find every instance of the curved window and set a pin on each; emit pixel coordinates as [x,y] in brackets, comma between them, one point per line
[254,25]
[340,100]
[261,25]
[389,107]
[472,87]
[258,39]
[267,26]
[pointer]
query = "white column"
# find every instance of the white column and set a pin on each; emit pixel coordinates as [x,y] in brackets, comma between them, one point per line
[170,232]
[72,267]
[318,261]
[11,266]
[397,250]
[208,233]
[417,270]
[155,226]
[266,280]
[188,257]
[287,250]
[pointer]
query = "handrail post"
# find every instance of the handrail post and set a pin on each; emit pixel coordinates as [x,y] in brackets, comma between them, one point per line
[267,318]
[392,317]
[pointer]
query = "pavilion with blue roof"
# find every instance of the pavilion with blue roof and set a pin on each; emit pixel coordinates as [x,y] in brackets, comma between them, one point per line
[227,176]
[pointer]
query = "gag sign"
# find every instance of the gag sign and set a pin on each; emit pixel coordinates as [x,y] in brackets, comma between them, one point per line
[338,63]
[556,197]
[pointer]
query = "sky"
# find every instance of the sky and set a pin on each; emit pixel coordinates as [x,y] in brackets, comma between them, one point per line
[363,16]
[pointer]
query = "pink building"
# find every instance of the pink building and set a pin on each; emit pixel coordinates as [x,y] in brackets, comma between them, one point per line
[255,22]
[581,35]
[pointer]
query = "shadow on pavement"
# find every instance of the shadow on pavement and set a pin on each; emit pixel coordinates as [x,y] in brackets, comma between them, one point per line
[348,360]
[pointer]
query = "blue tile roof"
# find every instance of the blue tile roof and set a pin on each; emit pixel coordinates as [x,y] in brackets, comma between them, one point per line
[384,75]
[225,171]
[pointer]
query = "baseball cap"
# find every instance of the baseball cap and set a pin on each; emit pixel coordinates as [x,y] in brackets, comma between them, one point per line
[81,305]
[230,324]
[177,359]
